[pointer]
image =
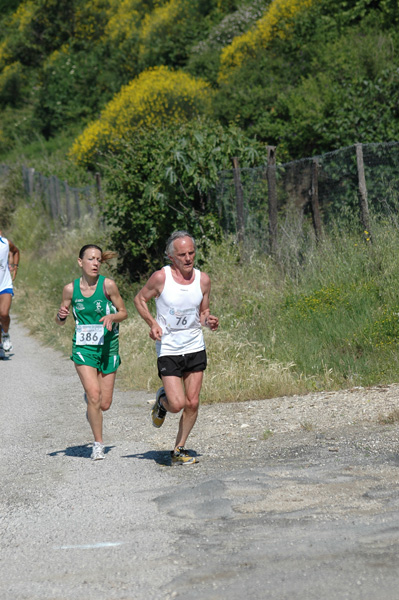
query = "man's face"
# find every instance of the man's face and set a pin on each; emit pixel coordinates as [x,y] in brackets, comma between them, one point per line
[183,255]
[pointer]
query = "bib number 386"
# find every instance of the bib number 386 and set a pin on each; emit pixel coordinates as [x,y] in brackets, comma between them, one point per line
[90,335]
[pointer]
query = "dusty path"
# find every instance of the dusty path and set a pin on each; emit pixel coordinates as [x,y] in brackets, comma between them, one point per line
[308,512]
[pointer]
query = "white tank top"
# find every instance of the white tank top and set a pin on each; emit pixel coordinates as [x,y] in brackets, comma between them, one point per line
[5,275]
[178,313]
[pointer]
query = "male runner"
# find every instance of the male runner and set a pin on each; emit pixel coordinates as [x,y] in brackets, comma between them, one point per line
[181,295]
[9,260]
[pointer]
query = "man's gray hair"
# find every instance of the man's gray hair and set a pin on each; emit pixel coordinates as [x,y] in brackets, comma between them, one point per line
[176,235]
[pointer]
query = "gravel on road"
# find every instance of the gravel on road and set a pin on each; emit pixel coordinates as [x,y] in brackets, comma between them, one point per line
[294,497]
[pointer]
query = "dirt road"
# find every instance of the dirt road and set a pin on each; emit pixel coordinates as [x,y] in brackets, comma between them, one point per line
[280,506]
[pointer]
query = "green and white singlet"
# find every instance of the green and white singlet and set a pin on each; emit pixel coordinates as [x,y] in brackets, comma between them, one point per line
[93,344]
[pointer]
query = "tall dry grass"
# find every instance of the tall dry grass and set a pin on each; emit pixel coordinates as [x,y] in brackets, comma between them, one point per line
[327,319]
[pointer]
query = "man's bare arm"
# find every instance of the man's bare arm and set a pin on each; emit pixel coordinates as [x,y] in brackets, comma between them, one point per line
[152,289]
[206,319]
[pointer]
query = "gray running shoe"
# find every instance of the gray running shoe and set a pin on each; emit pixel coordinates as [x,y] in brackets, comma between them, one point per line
[98,451]
[7,345]
[158,413]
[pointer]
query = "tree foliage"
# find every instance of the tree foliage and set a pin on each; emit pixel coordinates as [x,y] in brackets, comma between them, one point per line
[307,76]
[161,180]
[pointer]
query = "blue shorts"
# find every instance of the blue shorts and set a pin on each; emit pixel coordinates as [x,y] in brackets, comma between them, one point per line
[7,291]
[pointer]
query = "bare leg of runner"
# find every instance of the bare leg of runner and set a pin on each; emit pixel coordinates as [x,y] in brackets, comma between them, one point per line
[99,389]
[186,398]
[5,304]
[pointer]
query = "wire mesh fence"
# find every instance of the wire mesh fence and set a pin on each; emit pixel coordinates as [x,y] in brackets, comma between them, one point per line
[63,202]
[346,188]
[272,206]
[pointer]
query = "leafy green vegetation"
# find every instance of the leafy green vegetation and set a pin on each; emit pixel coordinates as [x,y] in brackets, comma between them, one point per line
[158,96]
[306,75]
[332,322]
[159,183]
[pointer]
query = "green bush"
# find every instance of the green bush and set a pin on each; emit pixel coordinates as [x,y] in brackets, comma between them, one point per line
[38,28]
[12,85]
[66,80]
[332,83]
[10,192]
[161,181]
[204,56]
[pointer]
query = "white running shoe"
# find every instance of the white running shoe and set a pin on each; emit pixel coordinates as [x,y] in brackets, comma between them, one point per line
[2,353]
[98,451]
[7,345]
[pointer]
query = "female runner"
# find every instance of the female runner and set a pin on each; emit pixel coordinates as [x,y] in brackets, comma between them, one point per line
[98,309]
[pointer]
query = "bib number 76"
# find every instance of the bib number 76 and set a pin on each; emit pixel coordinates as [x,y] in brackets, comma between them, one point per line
[181,321]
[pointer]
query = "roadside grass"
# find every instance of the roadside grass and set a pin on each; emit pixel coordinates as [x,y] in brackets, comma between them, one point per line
[331,322]
[390,419]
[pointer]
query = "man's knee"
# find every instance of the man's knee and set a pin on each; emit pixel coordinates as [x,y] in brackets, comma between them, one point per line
[174,403]
[192,403]
[173,407]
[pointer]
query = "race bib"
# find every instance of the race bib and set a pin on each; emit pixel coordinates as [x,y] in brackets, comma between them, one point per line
[182,319]
[90,335]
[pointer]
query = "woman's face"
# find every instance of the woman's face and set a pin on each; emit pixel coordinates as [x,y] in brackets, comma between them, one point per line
[91,261]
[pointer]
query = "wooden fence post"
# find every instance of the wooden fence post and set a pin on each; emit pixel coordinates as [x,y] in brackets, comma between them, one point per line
[31,179]
[363,202]
[314,194]
[77,204]
[272,198]
[67,205]
[239,200]
[98,183]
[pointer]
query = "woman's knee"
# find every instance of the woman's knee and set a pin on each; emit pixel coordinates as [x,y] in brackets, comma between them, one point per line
[94,398]
[105,405]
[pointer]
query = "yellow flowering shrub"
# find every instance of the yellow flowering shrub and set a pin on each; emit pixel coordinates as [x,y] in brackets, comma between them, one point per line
[124,16]
[5,54]
[10,76]
[156,96]
[17,22]
[22,16]
[54,57]
[122,21]
[163,30]
[160,17]
[276,22]
[91,19]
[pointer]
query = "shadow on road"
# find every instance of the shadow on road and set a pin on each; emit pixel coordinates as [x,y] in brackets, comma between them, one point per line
[161,457]
[82,451]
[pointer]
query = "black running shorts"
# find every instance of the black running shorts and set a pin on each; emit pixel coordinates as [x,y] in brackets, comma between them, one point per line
[185,363]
